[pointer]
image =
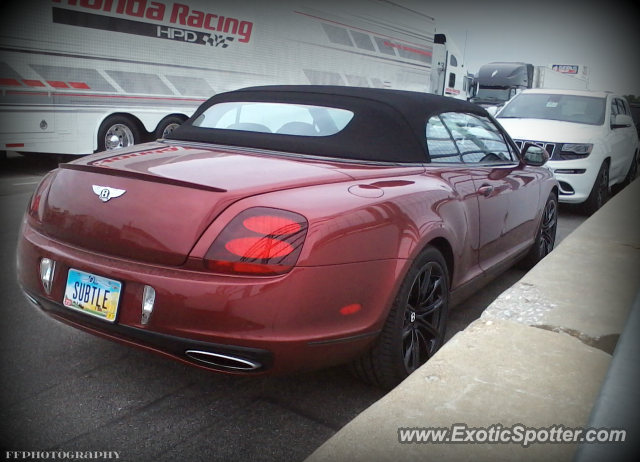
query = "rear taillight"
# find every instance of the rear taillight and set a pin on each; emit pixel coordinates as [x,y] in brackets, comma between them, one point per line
[259,241]
[36,198]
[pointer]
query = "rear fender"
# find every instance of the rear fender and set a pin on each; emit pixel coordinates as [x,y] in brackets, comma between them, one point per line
[346,228]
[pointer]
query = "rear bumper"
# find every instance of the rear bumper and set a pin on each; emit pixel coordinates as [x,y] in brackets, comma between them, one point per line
[281,324]
[171,346]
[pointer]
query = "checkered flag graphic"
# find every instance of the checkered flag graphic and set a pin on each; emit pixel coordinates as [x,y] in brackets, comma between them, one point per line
[217,40]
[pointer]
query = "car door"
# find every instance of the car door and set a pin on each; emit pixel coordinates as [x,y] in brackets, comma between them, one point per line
[508,193]
[446,163]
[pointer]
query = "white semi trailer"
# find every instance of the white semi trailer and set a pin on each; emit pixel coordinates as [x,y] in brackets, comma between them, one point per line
[78,76]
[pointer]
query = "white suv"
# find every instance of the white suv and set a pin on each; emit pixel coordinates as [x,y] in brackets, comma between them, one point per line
[590,137]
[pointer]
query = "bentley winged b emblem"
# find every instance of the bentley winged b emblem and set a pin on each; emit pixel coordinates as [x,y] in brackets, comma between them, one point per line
[105,193]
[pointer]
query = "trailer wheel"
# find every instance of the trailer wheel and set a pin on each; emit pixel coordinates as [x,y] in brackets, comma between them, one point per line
[117,132]
[167,125]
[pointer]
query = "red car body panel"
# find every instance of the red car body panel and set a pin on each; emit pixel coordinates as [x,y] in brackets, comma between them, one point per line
[366,224]
[245,312]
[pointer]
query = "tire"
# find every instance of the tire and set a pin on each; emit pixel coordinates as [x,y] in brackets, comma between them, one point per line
[632,174]
[118,131]
[167,125]
[545,239]
[415,327]
[600,191]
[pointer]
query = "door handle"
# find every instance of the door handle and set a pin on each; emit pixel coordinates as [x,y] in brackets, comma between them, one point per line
[485,190]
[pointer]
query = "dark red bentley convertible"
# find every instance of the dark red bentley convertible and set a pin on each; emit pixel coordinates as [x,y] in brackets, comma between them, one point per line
[290,228]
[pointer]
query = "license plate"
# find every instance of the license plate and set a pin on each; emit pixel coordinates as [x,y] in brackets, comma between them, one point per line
[91,294]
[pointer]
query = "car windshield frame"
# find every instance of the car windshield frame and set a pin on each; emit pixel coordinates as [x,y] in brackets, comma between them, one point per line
[580,109]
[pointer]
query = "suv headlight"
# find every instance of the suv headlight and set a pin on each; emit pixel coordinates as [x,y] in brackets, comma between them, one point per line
[583,149]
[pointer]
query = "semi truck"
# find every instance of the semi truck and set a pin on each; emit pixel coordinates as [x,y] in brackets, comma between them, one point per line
[78,76]
[496,83]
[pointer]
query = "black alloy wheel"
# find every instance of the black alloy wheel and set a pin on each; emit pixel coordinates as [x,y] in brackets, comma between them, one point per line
[548,228]
[422,331]
[603,187]
[545,240]
[415,328]
[599,194]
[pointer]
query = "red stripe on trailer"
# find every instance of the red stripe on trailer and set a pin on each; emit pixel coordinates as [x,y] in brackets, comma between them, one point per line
[33,83]
[412,50]
[79,86]
[10,82]
[15,145]
[57,84]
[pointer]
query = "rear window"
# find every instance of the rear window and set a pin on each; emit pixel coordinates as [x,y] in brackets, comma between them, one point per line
[279,118]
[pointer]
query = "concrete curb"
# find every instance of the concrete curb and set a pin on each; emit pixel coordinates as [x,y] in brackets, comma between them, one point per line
[536,357]
[587,286]
[619,399]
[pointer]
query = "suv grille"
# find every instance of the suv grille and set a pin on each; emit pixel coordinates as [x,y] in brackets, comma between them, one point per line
[549,147]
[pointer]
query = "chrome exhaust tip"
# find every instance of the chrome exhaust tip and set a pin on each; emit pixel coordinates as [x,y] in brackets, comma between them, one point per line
[223,361]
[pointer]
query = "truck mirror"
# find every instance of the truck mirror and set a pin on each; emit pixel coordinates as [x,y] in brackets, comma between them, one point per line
[621,121]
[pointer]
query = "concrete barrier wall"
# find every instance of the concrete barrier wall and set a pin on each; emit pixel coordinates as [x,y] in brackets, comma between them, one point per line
[537,356]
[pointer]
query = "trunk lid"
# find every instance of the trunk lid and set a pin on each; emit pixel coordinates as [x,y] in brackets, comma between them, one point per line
[171,195]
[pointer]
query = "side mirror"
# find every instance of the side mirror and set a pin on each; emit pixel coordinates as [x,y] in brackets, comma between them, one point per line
[473,89]
[621,121]
[534,155]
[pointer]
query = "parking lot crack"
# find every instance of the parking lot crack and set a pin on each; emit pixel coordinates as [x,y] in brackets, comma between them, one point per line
[634,247]
[606,343]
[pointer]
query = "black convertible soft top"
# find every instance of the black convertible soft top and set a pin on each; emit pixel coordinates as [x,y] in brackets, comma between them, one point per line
[388,125]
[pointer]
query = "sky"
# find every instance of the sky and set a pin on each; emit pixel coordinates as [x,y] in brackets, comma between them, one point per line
[604,35]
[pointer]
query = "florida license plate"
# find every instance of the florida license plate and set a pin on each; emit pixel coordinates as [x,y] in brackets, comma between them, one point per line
[94,295]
